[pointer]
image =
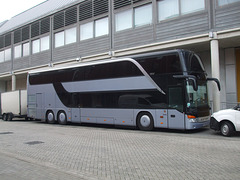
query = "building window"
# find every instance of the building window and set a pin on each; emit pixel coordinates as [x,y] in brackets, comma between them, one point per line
[225,2]
[36,46]
[65,37]
[135,17]
[26,50]
[101,27]
[44,43]
[143,15]
[18,51]
[86,31]
[123,20]
[7,54]
[1,56]
[185,7]
[94,29]
[41,44]
[71,35]
[59,39]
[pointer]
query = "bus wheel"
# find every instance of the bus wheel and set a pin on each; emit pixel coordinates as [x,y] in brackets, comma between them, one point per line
[50,117]
[62,118]
[145,121]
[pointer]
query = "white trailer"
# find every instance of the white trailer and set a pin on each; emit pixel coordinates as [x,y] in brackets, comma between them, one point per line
[14,104]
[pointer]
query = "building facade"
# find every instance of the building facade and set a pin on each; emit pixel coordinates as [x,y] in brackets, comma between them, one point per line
[62,32]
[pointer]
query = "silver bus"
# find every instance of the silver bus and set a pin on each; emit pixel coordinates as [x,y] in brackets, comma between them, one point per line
[153,90]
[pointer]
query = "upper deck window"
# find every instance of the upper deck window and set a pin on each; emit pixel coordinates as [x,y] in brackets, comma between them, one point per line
[161,64]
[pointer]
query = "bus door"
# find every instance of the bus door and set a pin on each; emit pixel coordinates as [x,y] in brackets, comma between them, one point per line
[176,118]
[39,106]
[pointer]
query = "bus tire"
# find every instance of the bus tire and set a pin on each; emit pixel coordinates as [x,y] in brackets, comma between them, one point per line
[50,117]
[62,117]
[145,121]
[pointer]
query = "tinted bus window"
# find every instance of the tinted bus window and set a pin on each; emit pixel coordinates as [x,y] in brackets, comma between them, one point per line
[165,64]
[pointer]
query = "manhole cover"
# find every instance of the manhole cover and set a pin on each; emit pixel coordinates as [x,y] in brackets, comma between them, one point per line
[34,142]
[6,133]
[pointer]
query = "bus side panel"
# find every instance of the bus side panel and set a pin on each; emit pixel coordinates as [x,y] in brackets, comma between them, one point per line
[107,116]
[45,99]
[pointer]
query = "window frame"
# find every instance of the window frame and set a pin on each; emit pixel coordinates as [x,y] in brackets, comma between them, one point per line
[133,16]
[180,12]
[93,28]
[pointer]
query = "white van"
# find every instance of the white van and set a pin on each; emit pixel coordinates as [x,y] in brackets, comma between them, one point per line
[227,121]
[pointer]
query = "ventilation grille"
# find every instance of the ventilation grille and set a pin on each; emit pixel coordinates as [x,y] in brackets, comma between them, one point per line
[8,39]
[122,3]
[71,16]
[45,25]
[58,21]
[35,29]
[100,7]
[92,8]
[17,36]
[85,10]
[25,33]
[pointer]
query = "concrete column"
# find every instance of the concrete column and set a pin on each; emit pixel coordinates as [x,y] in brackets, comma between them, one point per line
[215,64]
[14,82]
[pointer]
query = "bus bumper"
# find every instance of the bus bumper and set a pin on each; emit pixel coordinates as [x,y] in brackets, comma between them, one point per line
[197,125]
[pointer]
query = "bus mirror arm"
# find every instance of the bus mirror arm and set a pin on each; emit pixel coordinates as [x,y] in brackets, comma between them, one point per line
[188,77]
[217,81]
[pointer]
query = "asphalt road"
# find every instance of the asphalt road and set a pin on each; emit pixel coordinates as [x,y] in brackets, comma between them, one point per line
[36,150]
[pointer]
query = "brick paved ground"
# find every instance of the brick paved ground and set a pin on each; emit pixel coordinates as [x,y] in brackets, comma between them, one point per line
[36,150]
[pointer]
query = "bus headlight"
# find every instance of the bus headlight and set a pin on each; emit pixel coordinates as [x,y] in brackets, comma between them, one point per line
[192,119]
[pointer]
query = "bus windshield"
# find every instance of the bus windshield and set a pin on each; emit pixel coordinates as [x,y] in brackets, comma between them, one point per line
[197,99]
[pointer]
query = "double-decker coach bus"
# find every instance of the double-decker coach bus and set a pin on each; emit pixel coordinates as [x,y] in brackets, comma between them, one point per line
[153,90]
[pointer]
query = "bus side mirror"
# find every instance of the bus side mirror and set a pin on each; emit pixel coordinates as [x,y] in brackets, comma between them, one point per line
[188,77]
[216,81]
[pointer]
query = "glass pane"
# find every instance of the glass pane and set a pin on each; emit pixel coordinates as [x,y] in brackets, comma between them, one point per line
[71,35]
[101,27]
[59,39]
[86,31]
[225,2]
[18,51]
[7,54]
[45,43]
[1,56]
[143,15]
[36,46]
[187,6]
[123,20]
[26,49]
[164,10]
[175,98]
